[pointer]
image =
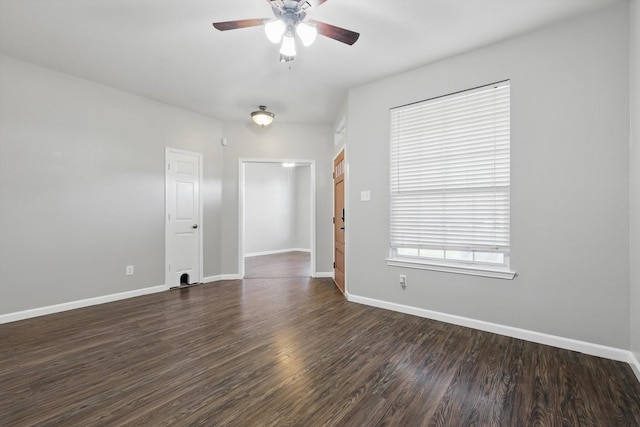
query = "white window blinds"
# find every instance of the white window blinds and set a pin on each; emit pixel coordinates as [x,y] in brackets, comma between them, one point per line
[450,172]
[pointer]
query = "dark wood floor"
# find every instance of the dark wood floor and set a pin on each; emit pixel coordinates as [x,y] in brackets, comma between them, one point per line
[292,351]
[288,264]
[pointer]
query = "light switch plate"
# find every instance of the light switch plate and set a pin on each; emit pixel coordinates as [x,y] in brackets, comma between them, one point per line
[365,196]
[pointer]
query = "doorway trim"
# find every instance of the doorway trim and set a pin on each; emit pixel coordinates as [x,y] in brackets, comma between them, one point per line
[242,162]
[168,150]
[341,149]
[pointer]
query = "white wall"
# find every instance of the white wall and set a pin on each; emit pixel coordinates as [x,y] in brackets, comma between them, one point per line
[82,187]
[278,141]
[302,219]
[570,183]
[277,204]
[634,178]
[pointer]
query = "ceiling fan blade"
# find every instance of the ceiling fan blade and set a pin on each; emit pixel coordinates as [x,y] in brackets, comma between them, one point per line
[242,23]
[315,3]
[345,36]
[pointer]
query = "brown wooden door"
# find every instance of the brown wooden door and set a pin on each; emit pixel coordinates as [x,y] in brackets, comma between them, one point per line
[339,220]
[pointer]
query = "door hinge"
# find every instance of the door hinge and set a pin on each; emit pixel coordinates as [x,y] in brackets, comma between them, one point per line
[334,265]
[334,219]
[168,166]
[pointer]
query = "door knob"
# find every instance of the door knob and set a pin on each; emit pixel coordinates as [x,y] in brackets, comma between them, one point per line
[194,226]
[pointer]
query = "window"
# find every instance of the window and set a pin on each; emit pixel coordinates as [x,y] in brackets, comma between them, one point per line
[450,183]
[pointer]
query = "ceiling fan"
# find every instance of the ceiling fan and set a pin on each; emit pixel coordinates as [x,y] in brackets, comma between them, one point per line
[289,19]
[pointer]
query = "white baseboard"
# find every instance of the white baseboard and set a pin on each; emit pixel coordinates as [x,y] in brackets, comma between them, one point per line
[635,364]
[209,279]
[41,311]
[220,277]
[322,274]
[524,334]
[277,251]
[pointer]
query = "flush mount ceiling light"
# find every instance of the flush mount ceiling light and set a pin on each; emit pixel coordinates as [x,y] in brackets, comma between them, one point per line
[262,117]
[290,15]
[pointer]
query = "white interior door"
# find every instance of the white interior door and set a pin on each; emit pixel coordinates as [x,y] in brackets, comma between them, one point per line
[183,203]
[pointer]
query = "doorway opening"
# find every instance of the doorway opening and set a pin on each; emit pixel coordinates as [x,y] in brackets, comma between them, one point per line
[276,218]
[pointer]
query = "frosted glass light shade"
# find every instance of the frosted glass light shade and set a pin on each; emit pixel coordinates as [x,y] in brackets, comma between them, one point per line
[306,32]
[262,117]
[275,30]
[288,47]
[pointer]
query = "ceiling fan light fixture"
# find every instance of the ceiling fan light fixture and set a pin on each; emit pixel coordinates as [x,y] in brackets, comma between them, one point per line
[284,59]
[290,23]
[275,30]
[262,117]
[288,47]
[307,33]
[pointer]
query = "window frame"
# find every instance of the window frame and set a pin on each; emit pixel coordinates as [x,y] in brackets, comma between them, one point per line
[444,263]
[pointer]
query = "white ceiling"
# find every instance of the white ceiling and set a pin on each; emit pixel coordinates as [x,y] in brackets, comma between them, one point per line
[167,50]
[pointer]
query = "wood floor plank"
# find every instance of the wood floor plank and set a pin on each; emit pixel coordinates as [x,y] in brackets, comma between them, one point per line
[292,351]
[282,265]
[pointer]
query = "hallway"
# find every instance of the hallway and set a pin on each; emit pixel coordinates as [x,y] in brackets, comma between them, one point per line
[288,264]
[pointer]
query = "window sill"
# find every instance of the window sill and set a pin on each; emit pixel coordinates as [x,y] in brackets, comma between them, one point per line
[453,268]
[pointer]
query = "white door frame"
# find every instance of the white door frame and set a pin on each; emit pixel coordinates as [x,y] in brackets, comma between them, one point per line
[241,214]
[199,231]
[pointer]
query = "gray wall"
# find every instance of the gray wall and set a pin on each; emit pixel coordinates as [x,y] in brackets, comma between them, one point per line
[634,178]
[82,187]
[277,208]
[570,183]
[278,141]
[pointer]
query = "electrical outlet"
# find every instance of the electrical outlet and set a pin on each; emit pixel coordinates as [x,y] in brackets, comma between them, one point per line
[403,281]
[129,270]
